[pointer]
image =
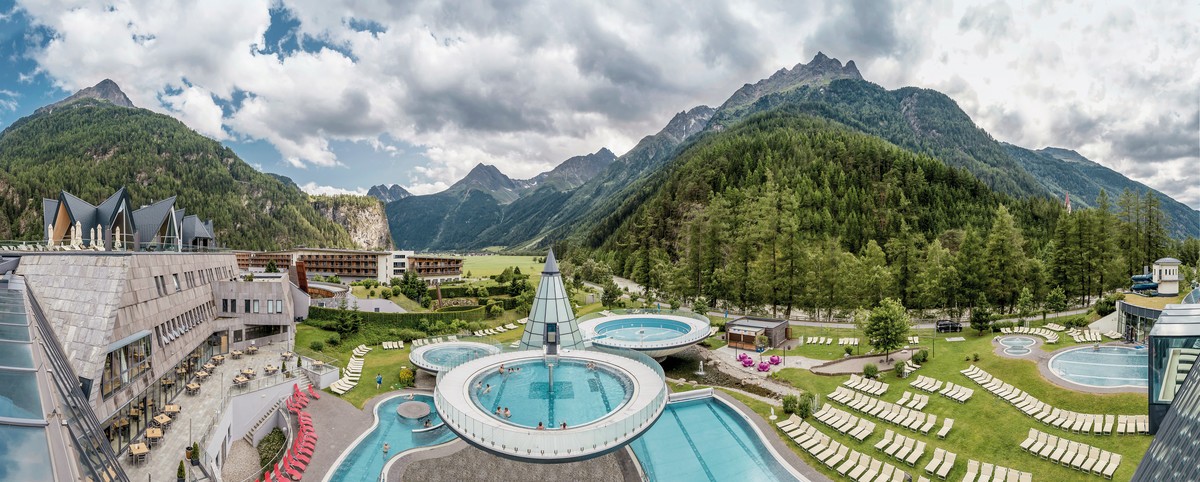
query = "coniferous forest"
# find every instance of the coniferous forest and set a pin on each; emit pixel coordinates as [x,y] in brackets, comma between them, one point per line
[784,212]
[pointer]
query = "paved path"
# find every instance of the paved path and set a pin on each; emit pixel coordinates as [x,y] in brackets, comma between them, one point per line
[848,366]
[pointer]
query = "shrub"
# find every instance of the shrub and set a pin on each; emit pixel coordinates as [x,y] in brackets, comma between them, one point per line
[870,370]
[900,370]
[334,340]
[181,473]
[805,407]
[405,334]
[849,350]
[921,357]
[316,345]
[975,357]
[1108,304]
[269,448]
[407,377]
[791,403]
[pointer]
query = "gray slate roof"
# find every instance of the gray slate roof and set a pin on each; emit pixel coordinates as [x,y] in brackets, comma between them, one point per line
[151,218]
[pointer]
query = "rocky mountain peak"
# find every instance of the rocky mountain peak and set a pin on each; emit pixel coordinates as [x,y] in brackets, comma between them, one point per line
[386,194]
[689,122]
[106,90]
[819,71]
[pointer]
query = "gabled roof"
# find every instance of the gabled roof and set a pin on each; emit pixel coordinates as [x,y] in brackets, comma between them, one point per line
[107,210]
[49,211]
[152,217]
[80,211]
[193,228]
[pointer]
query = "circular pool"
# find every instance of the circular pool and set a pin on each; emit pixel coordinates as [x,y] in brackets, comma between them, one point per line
[1103,366]
[440,357]
[579,394]
[1017,345]
[655,335]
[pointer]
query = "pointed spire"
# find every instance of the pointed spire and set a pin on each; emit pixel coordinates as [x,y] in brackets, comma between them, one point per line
[551,264]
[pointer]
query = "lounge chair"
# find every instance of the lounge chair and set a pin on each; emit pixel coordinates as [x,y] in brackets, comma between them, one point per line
[947,425]
[947,465]
[938,455]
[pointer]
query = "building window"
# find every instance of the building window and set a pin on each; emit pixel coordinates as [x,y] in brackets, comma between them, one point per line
[256,306]
[125,364]
[175,277]
[247,310]
[224,305]
[279,306]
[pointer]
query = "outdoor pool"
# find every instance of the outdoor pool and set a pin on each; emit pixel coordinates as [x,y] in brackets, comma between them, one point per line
[706,440]
[642,329]
[444,356]
[580,395]
[364,460]
[1017,345]
[1107,366]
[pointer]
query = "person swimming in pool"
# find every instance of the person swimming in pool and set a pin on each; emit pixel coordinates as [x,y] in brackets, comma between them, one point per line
[386,447]
[564,425]
[428,423]
[507,414]
[540,426]
[487,389]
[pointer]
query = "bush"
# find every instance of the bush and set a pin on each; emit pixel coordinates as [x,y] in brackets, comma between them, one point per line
[495,310]
[1108,304]
[316,345]
[900,370]
[181,473]
[270,447]
[405,334]
[975,357]
[407,377]
[921,357]
[849,350]
[791,404]
[805,407]
[870,370]
[334,340]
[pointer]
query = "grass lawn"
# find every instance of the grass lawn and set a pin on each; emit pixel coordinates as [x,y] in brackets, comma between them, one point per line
[1157,302]
[400,300]
[481,267]
[986,428]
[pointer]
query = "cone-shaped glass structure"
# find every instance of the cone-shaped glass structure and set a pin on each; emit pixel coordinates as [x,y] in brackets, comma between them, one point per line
[551,307]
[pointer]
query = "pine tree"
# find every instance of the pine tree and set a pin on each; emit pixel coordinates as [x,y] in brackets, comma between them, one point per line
[1005,259]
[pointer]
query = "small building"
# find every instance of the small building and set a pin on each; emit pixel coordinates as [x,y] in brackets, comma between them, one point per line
[1166,274]
[743,332]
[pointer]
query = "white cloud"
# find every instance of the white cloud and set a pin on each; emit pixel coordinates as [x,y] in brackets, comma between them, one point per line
[526,85]
[313,188]
[8,100]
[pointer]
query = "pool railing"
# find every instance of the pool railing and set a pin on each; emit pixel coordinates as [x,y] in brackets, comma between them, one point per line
[551,444]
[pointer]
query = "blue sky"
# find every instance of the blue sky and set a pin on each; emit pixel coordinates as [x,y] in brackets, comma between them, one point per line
[341,95]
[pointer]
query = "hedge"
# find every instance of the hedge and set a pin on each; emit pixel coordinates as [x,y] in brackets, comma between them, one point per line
[461,291]
[460,309]
[396,320]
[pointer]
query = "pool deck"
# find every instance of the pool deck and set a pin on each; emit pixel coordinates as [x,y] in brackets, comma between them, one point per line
[772,437]
[457,461]
[1035,350]
[338,424]
[1043,363]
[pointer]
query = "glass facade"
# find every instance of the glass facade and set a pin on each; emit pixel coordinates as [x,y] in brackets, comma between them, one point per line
[1171,360]
[124,365]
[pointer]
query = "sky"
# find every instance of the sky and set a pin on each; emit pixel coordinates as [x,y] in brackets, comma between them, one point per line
[341,95]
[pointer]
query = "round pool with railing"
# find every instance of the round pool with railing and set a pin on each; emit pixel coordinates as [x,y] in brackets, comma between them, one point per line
[440,357]
[653,334]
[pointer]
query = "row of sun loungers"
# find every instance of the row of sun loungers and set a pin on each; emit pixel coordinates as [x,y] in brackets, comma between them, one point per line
[996,473]
[1115,335]
[848,341]
[926,383]
[914,401]
[910,367]
[941,464]
[1085,336]
[844,422]
[914,340]
[818,340]
[957,393]
[352,372]
[866,385]
[496,330]
[1079,456]
[904,449]
[56,247]
[393,345]
[431,341]
[1046,413]
[1131,424]
[1054,327]
[852,464]
[898,414]
[1050,336]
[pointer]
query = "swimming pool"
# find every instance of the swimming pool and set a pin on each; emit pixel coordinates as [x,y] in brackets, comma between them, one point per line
[364,460]
[1017,345]
[654,335]
[444,356]
[706,440]
[580,395]
[1108,366]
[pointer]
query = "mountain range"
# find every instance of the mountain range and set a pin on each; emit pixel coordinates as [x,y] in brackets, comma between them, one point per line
[486,208]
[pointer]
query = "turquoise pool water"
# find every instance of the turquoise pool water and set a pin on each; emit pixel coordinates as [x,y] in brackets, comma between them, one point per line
[366,459]
[1110,366]
[580,395]
[1017,345]
[705,440]
[455,355]
[642,329]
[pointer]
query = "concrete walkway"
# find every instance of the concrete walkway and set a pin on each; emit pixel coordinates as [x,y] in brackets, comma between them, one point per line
[847,366]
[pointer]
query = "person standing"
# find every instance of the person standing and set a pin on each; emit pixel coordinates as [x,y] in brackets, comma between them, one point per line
[378,381]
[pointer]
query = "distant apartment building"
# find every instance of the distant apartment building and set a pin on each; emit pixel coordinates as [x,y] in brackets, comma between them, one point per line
[354,265]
